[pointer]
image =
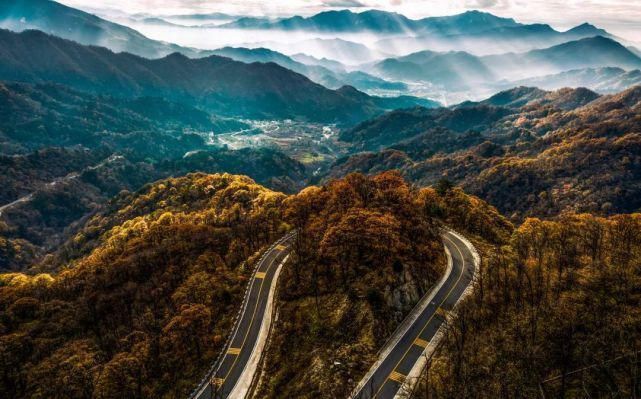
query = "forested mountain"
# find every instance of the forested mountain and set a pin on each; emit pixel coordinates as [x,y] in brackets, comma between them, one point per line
[217,84]
[146,291]
[35,116]
[555,152]
[558,303]
[55,203]
[150,290]
[70,23]
[400,125]
[66,153]
[152,284]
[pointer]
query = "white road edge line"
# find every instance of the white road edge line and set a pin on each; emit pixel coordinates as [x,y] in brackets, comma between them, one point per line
[415,373]
[217,363]
[243,384]
[405,325]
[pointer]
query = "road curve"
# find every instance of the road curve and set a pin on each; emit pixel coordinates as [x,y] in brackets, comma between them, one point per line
[232,373]
[399,361]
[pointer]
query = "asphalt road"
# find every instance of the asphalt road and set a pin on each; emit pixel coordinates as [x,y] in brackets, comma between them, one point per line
[387,379]
[229,370]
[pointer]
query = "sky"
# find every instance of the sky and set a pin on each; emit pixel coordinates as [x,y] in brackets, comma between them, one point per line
[620,17]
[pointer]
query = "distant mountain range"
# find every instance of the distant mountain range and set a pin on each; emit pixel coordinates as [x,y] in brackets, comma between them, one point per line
[592,52]
[331,78]
[70,23]
[538,56]
[345,51]
[517,38]
[475,32]
[460,69]
[217,84]
[380,22]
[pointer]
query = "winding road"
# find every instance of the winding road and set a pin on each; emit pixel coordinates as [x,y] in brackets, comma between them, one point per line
[400,361]
[233,373]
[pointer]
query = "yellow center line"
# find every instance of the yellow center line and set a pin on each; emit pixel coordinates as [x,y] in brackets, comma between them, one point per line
[398,377]
[429,320]
[421,342]
[217,381]
[262,281]
[233,351]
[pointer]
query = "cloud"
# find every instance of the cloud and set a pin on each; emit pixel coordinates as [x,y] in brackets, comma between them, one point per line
[485,4]
[343,3]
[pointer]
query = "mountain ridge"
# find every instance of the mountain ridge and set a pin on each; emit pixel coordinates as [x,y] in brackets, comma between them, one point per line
[85,28]
[458,67]
[218,84]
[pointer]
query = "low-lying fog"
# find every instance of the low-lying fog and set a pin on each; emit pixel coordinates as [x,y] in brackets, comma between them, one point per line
[448,78]
[210,37]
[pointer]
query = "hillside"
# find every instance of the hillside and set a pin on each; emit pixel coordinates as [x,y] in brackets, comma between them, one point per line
[561,151]
[364,257]
[400,125]
[145,295]
[217,84]
[40,115]
[78,183]
[148,297]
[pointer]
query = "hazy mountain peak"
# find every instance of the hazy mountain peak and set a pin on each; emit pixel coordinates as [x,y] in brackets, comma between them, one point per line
[587,28]
[600,43]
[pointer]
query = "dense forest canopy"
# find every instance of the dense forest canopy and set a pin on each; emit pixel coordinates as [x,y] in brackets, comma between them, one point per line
[556,310]
[146,298]
[526,151]
[146,291]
